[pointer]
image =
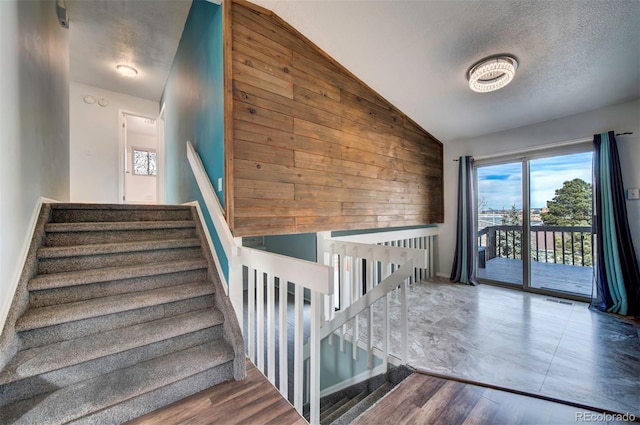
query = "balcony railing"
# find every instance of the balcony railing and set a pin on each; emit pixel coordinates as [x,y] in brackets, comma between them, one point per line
[549,244]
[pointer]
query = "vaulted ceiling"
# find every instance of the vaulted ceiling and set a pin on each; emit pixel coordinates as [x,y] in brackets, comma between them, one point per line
[574,56]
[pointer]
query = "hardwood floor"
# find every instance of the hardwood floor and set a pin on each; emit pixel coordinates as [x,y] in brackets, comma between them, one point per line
[424,399]
[250,401]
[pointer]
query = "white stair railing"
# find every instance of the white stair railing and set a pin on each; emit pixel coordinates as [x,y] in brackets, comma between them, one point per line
[263,270]
[363,274]
[424,239]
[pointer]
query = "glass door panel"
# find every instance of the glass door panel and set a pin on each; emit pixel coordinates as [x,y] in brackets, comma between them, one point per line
[560,214]
[500,223]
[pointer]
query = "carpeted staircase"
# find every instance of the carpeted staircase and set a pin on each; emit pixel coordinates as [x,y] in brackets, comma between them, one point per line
[343,407]
[119,311]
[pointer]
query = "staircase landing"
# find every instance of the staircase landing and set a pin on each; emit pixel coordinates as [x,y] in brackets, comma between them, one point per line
[251,401]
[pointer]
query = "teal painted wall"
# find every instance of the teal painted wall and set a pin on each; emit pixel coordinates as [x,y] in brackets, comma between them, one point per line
[194,110]
[301,245]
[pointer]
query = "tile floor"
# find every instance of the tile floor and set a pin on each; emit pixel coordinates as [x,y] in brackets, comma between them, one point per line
[522,341]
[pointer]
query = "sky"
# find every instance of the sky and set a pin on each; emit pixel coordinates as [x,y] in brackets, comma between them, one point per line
[500,186]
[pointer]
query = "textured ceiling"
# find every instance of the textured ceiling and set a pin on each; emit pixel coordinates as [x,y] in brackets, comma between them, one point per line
[574,56]
[144,34]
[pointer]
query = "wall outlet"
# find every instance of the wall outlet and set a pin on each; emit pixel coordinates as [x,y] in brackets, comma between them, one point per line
[219,184]
[633,193]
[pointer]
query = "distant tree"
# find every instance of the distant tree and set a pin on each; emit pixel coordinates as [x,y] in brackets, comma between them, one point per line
[571,206]
[482,204]
[510,241]
[512,217]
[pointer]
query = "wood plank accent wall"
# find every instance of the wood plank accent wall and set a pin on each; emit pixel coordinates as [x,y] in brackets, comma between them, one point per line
[314,148]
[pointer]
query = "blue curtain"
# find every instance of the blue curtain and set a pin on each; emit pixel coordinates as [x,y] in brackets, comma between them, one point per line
[464,269]
[617,278]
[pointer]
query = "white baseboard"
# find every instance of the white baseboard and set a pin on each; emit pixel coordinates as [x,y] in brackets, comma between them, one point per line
[24,252]
[442,275]
[211,247]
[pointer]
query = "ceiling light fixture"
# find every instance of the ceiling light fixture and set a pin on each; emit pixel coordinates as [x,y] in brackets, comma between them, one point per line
[127,71]
[492,73]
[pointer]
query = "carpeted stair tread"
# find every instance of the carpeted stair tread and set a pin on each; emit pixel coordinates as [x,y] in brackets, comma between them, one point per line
[112,248]
[154,400]
[344,408]
[119,314]
[105,274]
[110,207]
[330,409]
[100,226]
[62,313]
[44,359]
[93,395]
[51,381]
[70,294]
[364,405]
[81,328]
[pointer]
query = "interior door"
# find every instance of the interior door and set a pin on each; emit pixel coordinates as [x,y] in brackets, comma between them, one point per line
[140,160]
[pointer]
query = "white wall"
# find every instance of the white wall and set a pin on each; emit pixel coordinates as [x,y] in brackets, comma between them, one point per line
[34,127]
[140,189]
[620,118]
[94,144]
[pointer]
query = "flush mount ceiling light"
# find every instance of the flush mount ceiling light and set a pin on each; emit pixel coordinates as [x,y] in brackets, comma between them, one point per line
[127,71]
[492,73]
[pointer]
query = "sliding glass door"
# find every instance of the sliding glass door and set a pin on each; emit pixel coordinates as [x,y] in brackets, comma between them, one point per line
[500,223]
[534,223]
[561,212]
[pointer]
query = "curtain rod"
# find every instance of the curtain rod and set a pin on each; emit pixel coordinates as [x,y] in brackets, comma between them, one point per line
[543,147]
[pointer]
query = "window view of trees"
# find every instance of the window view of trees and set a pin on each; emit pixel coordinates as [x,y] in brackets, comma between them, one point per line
[571,206]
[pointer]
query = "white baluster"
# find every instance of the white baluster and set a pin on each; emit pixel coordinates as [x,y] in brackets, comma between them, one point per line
[260,322]
[282,347]
[403,319]
[251,312]
[298,360]
[357,292]
[314,378]
[271,330]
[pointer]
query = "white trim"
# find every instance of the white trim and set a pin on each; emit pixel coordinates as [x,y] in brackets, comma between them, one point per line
[213,204]
[316,277]
[530,152]
[383,253]
[211,247]
[161,152]
[394,235]
[24,253]
[389,284]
